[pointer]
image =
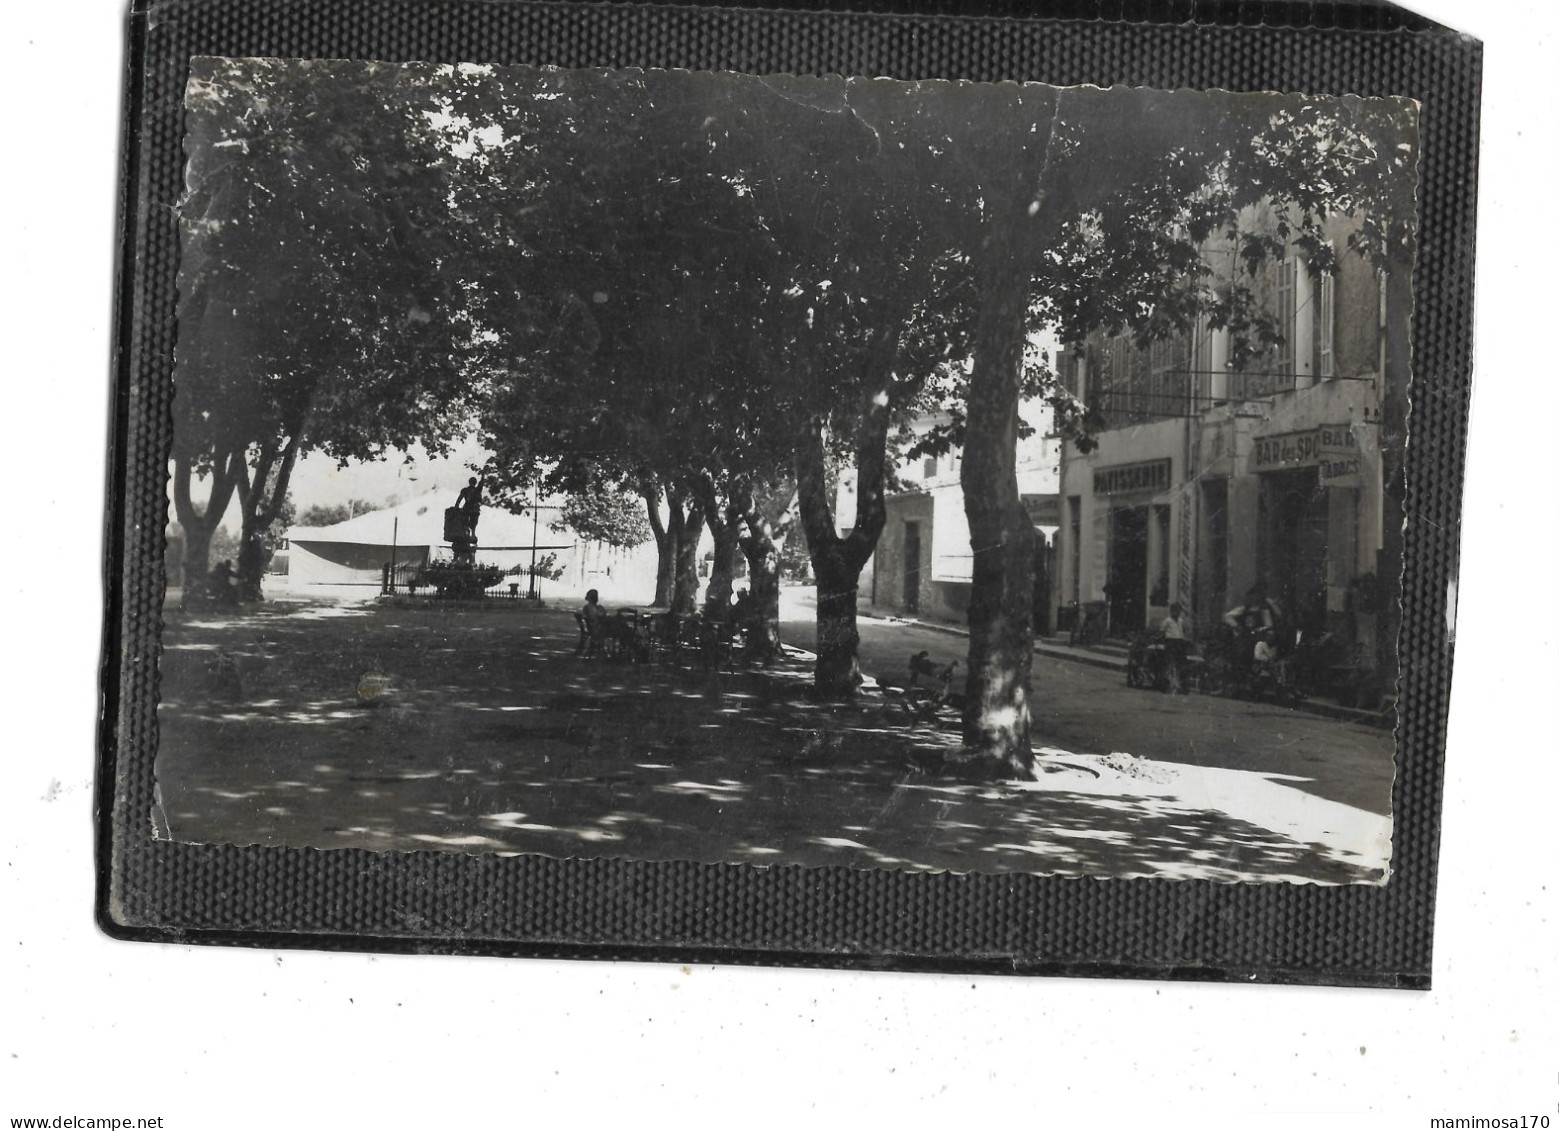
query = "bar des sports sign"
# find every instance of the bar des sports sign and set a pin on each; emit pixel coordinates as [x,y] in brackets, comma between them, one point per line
[1332,448]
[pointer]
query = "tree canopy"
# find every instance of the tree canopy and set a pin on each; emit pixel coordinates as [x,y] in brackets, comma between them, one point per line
[707,292]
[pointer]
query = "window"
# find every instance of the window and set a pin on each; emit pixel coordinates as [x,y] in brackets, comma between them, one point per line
[1287,293]
[1162,357]
[1126,385]
[1275,371]
[1323,328]
[1168,389]
[1070,370]
[1202,368]
[928,468]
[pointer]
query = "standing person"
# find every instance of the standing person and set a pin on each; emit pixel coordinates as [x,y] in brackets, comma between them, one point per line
[469,503]
[1177,646]
[592,622]
[593,612]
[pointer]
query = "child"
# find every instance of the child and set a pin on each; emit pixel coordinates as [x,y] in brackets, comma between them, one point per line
[593,612]
[1266,652]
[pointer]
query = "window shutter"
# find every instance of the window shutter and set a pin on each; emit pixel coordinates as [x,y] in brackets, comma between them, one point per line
[1324,328]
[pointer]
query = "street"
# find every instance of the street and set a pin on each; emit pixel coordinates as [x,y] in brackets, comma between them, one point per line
[433,725]
[1090,710]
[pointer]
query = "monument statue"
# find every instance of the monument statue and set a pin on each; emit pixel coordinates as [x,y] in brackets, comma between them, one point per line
[469,503]
[460,522]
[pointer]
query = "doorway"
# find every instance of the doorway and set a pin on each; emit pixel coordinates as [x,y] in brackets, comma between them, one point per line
[912,567]
[1292,544]
[1127,587]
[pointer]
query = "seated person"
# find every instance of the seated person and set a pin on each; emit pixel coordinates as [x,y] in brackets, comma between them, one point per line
[741,609]
[222,583]
[1258,612]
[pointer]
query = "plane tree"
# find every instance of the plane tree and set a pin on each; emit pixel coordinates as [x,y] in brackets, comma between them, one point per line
[868,300]
[690,286]
[688,292]
[313,315]
[1098,205]
[629,275]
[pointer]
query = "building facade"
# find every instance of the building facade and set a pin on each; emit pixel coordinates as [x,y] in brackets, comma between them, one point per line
[1213,476]
[924,563]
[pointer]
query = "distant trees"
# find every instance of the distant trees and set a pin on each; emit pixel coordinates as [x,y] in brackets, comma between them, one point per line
[329,514]
[612,518]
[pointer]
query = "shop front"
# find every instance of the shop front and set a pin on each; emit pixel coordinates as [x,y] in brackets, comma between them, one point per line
[1307,544]
[1133,521]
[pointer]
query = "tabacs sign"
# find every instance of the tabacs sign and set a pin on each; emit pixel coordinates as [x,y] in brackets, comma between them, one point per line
[1331,447]
[1130,478]
[1341,469]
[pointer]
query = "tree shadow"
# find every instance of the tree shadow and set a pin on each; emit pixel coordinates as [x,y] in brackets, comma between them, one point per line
[406,729]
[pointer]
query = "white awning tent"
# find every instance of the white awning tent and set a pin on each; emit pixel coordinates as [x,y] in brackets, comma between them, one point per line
[356,551]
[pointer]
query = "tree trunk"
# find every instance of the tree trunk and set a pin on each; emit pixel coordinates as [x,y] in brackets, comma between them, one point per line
[763,596]
[838,640]
[252,560]
[722,571]
[837,562]
[665,550]
[197,560]
[199,526]
[684,596]
[262,492]
[762,546]
[1001,603]
[724,521]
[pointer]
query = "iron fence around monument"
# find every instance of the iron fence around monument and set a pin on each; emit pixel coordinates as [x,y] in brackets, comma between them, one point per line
[413,579]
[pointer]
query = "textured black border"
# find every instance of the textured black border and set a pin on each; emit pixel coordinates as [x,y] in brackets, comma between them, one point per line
[447,903]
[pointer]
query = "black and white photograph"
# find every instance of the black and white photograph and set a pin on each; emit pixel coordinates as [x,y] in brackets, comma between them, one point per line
[778,470]
[305,841]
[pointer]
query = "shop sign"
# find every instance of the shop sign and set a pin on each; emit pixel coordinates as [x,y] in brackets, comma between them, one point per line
[1187,566]
[1129,478]
[1311,448]
[1043,510]
[1341,469]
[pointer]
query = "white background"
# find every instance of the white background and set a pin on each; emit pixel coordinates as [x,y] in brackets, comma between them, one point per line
[227,1038]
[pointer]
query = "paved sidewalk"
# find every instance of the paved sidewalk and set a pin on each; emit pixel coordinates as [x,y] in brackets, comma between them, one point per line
[1113,658]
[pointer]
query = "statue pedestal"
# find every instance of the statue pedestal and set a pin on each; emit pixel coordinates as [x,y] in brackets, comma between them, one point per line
[460,536]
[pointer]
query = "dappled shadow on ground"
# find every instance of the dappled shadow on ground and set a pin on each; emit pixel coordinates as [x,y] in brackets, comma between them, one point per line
[461,730]
[1083,708]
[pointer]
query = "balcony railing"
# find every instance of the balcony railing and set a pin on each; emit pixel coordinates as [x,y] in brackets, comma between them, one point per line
[1180,394]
